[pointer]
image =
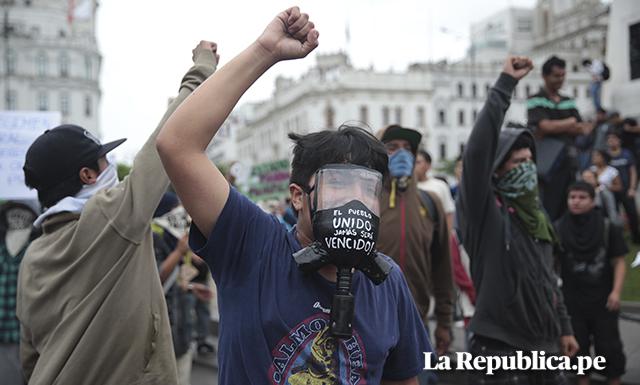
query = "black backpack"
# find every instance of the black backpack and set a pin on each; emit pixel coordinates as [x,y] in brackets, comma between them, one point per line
[606,72]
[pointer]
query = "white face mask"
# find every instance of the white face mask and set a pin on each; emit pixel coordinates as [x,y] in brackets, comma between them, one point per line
[18,229]
[108,178]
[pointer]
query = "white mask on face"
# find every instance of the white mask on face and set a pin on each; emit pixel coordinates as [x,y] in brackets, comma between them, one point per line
[19,222]
[108,178]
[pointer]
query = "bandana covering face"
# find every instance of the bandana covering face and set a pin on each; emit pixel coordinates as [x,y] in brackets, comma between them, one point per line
[519,188]
[519,181]
[107,178]
[401,163]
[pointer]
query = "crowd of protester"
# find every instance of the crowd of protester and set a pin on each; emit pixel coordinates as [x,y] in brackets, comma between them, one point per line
[110,282]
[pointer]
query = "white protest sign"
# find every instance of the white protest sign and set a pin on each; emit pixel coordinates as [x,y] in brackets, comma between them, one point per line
[18,129]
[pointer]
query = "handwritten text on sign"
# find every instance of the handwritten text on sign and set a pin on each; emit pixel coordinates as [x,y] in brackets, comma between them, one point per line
[18,129]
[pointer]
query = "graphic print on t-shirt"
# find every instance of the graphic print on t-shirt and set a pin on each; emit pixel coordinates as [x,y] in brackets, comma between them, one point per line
[310,355]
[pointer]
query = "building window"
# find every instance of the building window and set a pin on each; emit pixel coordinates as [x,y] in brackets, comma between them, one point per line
[398,115]
[11,100]
[474,90]
[461,117]
[364,114]
[475,115]
[634,50]
[41,63]
[460,90]
[443,151]
[525,25]
[527,90]
[385,116]
[11,63]
[461,146]
[88,67]
[43,101]
[88,106]
[64,104]
[329,115]
[64,65]
[486,89]
[575,92]
[420,117]
[442,117]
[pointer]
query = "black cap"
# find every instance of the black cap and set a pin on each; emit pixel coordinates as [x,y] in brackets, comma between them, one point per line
[395,131]
[58,154]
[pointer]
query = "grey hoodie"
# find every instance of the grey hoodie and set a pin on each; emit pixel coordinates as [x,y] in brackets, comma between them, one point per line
[518,299]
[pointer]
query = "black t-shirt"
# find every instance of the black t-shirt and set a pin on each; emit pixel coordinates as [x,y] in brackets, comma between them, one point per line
[587,284]
[541,107]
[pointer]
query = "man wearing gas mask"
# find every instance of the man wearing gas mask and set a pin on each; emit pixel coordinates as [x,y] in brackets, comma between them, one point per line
[414,232]
[16,233]
[509,238]
[318,304]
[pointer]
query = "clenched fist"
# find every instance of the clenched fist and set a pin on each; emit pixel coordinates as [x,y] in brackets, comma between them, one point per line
[289,36]
[517,66]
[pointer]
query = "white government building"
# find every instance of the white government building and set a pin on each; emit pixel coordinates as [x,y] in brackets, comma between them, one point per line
[439,99]
[50,59]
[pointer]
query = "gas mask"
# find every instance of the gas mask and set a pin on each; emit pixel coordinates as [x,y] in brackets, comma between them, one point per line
[345,213]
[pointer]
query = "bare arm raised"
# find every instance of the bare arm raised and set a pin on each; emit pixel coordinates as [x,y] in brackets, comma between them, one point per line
[185,136]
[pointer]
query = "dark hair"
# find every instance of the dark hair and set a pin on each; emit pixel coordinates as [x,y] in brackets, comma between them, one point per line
[347,144]
[582,186]
[630,121]
[425,155]
[553,61]
[601,110]
[50,195]
[522,141]
[586,62]
[605,155]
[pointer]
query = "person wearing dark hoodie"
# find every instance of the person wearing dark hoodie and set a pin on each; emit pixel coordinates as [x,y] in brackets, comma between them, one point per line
[519,306]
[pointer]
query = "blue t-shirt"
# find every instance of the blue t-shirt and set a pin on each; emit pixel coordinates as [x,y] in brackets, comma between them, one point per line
[274,319]
[623,163]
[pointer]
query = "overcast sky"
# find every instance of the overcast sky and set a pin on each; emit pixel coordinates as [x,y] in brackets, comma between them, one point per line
[146,45]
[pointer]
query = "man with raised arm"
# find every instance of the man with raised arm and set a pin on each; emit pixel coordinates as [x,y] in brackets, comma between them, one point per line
[90,303]
[510,240]
[276,320]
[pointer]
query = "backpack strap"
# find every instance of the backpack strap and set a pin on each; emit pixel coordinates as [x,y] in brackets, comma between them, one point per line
[607,226]
[430,206]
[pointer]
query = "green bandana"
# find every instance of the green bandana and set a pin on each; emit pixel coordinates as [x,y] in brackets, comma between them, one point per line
[519,187]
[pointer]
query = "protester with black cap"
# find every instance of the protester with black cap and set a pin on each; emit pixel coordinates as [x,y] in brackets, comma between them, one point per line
[509,238]
[90,303]
[413,231]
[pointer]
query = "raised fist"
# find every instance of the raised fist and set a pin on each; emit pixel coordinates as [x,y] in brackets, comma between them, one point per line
[289,36]
[204,46]
[517,66]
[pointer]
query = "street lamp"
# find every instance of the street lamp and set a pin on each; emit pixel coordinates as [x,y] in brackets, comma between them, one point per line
[7,29]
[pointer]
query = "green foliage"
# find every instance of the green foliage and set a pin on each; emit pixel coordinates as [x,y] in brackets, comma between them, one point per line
[631,287]
[123,170]
[446,167]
